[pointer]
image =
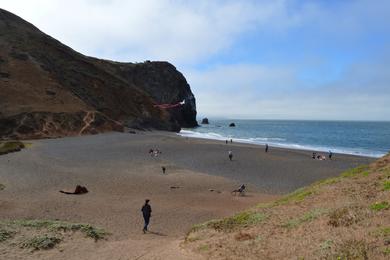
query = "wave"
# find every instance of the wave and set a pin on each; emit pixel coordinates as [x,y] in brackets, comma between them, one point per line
[280,143]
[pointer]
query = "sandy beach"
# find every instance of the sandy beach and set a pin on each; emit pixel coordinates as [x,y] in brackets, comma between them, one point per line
[119,173]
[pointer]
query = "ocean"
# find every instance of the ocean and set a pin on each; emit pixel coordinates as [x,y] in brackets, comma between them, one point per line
[370,139]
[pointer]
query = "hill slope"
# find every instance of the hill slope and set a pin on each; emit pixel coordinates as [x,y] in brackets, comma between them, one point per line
[340,218]
[47,89]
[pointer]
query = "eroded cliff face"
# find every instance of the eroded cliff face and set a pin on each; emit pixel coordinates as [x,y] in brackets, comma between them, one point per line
[164,84]
[45,83]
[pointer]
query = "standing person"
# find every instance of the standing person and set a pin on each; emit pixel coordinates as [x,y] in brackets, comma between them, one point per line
[163,169]
[266,148]
[330,155]
[230,155]
[231,141]
[146,213]
[226,141]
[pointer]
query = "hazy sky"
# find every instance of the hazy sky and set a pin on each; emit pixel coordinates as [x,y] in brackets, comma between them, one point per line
[276,59]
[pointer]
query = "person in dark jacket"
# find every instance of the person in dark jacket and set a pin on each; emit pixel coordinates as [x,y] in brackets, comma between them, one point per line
[146,213]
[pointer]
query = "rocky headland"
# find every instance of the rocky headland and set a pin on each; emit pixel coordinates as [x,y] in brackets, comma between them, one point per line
[49,90]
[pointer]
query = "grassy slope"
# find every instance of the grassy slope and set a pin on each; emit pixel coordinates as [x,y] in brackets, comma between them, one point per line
[347,217]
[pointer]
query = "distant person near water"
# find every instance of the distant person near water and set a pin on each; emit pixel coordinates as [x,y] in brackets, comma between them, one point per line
[230,155]
[163,169]
[330,155]
[266,148]
[314,155]
[226,141]
[231,141]
[146,213]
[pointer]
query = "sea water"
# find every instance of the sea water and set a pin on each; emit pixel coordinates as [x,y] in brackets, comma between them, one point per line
[349,137]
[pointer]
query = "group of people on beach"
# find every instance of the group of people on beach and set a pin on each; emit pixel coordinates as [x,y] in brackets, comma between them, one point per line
[321,157]
[154,152]
[227,141]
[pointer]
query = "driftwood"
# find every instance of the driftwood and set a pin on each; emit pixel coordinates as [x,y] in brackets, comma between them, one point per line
[79,190]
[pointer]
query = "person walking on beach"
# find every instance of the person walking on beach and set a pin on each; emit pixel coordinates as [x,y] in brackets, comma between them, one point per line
[266,148]
[330,155]
[230,155]
[146,213]
[163,169]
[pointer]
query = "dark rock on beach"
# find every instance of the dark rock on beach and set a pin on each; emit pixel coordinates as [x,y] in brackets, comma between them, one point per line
[50,90]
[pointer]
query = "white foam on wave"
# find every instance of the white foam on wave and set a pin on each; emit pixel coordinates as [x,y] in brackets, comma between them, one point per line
[278,142]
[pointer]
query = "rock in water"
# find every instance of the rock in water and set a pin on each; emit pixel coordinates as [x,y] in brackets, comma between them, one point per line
[205,121]
[49,90]
[232,125]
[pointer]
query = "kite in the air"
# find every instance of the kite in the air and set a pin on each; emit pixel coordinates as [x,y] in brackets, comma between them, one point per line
[167,106]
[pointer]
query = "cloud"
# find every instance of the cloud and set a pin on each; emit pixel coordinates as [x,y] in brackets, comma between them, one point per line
[259,91]
[347,79]
[178,31]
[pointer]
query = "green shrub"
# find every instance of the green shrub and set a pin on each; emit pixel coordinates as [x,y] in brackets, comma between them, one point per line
[240,220]
[5,234]
[51,225]
[377,206]
[362,169]
[386,185]
[11,146]
[41,242]
[308,216]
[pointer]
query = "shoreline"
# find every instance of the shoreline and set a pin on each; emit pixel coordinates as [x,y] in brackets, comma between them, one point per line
[189,133]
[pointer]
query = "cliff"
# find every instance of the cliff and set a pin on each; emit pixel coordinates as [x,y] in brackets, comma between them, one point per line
[49,90]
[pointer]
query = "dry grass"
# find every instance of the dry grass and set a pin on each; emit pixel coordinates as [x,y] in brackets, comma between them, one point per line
[346,217]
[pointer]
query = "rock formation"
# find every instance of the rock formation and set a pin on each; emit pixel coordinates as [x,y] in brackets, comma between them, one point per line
[205,121]
[49,90]
[232,125]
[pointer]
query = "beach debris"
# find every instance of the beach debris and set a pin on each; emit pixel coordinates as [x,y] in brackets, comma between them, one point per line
[217,191]
[79,190]
[175,187]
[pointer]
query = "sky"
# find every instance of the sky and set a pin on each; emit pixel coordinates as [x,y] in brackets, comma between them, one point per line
[248,59]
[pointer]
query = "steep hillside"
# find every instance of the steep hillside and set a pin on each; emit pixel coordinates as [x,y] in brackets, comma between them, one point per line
[48,90]
[340,218]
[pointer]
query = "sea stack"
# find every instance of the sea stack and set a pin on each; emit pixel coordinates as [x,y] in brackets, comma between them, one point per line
[205,121]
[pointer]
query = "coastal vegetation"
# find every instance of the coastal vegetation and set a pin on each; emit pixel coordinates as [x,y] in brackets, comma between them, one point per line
[345,217]
[11,146]
[44,234]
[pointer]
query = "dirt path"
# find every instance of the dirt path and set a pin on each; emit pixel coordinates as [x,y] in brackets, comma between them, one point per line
[88,119]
